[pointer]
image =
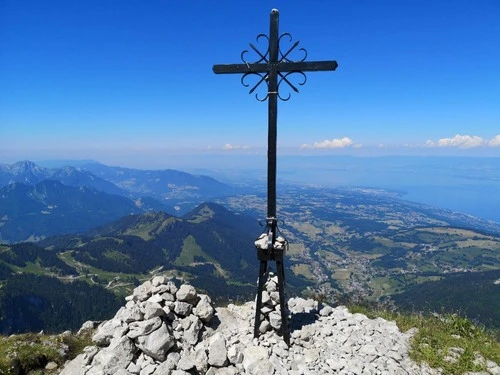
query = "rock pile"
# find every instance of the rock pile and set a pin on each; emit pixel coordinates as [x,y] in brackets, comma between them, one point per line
[156,332]
[270,317]
[165,330]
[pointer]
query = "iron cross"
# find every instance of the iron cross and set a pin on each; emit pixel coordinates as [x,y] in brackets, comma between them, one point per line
[273,67]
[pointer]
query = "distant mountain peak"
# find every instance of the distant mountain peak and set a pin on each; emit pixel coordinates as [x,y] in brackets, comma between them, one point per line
[24,171]
[25,165]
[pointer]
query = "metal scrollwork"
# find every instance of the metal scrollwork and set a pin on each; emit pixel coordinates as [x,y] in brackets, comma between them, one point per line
[284,78]
[263,78]
[263,58]
[284,57]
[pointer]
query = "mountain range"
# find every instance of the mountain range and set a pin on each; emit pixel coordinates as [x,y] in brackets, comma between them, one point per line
[36,202]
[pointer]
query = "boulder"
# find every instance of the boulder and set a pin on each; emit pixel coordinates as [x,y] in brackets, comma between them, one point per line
[187,293]
[109,330]
[204,309]
[217,352]
[142,292]
[157,343]
[116,356]
[192,331]
[144,327]
[182,308]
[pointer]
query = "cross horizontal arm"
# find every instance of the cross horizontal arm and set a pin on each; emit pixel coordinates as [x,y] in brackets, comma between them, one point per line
[240,68]
[304,66]
[307,66]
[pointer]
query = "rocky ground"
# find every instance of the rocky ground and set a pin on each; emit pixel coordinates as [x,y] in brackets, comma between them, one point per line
[166,330]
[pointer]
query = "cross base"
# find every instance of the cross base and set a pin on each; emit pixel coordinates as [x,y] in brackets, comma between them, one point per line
[277,257]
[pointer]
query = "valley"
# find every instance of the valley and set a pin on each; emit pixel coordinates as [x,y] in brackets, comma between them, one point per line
[370,242]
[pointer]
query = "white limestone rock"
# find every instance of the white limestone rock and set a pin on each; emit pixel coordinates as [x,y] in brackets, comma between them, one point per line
[192,326]
[131,313]
[180,372]
[300,305]
[116,356]
[148,369]
[172,288]
[326,311]
[262,367]
[75,367]
[182,308]
[156,297]
[204,309]
[271,286]
[235,355]
[187,293]
[266,298]
[143,291]
[152,310]
[264,326]
[134,368]
[89,353]
[159,289]
[223,371]
[254,354]
[217,351]
[158,280]
[167,296]
[275,319]
[144,327]
[169,365]
[109,330]
[201,359]
[186,362]
[89,325]
[157,343]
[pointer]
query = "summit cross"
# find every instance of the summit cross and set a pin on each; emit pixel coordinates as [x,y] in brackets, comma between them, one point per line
[273,67]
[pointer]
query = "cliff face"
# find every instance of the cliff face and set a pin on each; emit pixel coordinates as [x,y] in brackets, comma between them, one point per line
[163,329]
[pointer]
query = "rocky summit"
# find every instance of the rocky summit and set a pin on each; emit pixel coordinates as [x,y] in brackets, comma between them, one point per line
[168,330]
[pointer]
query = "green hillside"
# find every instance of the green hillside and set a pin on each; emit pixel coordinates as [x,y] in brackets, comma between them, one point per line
[472,294]
[208,247]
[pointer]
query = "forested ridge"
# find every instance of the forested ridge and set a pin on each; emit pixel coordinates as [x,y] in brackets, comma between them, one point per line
[31,303]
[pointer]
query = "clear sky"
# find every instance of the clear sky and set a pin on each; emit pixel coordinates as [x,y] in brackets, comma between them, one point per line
[130,82]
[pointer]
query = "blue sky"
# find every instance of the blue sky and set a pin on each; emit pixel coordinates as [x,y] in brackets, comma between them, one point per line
[130,82]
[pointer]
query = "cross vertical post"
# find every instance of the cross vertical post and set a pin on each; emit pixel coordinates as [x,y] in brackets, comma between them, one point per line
[272,117]
[273,67]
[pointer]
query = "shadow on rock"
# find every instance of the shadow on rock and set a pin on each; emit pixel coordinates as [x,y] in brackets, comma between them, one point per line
[299,320]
